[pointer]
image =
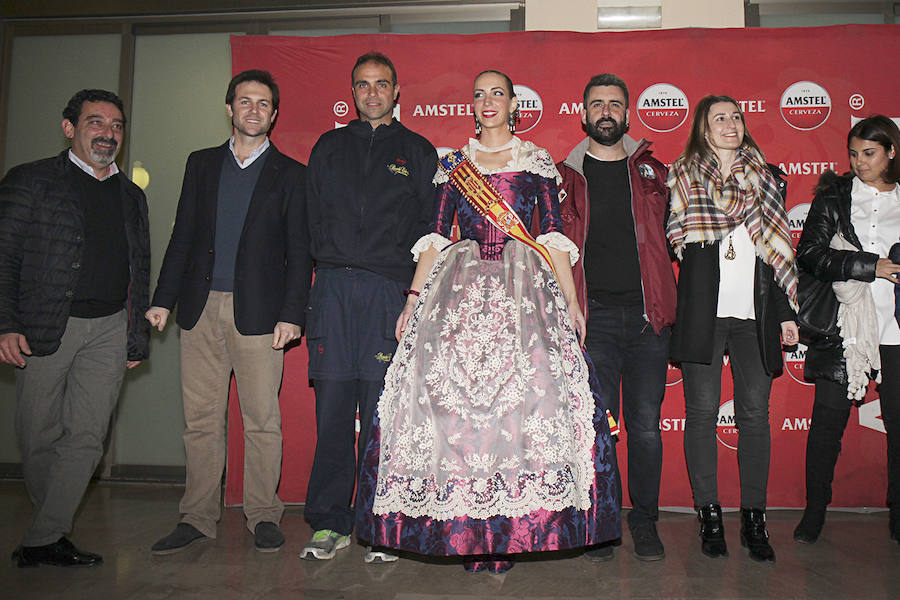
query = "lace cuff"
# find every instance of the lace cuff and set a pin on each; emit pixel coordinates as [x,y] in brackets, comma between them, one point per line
[433,239]
[440,176]
[558,241]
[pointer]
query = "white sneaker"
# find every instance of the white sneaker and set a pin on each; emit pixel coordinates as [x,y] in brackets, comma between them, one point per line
[324,544]
[382,555]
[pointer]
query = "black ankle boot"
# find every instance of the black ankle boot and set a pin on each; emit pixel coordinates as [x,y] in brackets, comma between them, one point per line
[712,531]
[810,526]
[754,536]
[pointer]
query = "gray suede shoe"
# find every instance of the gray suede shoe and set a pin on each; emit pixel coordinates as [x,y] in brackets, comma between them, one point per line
[267,537]
[181,537]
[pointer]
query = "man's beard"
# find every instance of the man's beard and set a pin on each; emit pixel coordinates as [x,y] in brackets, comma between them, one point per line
[104,156]
[607,137]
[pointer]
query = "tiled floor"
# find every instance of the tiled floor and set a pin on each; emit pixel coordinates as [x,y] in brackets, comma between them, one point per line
[854,558]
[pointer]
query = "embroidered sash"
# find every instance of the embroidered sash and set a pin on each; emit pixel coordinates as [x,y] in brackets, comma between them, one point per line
[487,201]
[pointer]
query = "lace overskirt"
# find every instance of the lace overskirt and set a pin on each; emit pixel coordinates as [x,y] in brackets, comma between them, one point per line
[487,419]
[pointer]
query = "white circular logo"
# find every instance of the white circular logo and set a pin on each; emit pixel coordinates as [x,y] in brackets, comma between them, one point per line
[530,108]
[341,108]
[796,219]
[673,375]
[662,107]
[857,101]
[805,105]
[726,428]
[794,363]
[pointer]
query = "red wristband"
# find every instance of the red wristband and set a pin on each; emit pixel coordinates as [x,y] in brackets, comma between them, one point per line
[408,292]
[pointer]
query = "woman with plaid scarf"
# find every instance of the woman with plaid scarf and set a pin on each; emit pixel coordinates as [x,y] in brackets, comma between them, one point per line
[737,293]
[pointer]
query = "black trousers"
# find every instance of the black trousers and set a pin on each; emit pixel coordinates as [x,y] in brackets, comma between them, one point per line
[831,410]
[702,395]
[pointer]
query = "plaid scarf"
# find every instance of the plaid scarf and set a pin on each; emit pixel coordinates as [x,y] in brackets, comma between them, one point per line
[705,209]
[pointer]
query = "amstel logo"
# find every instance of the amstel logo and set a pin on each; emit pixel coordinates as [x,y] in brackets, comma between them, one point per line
[726,428]
[662,107]
[673,375]
[805,105]
[796,220]
[794,363]
[530,108]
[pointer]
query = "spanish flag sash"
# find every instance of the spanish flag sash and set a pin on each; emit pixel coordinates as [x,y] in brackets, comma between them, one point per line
[487,201]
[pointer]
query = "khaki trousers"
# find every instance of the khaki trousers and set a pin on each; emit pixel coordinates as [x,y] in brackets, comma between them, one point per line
[209,353]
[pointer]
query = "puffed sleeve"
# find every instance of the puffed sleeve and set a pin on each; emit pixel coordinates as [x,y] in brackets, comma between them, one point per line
[444,211]
[548,205]
[551,223]
[444,208]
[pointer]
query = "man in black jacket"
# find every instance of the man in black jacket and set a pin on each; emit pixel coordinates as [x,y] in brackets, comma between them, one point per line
[74,280]
[237,270]
[370,197]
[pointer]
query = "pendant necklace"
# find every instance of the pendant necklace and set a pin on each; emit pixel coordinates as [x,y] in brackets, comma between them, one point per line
[729,254]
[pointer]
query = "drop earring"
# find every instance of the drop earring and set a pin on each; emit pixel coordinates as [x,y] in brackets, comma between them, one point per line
[513,119]
[477,127]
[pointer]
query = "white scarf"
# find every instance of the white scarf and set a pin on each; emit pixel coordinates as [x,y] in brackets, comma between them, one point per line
[859,328]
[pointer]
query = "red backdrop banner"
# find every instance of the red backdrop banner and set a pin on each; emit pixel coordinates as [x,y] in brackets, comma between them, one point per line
[800,89]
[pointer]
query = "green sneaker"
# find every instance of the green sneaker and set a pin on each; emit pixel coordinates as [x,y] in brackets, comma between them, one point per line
[324,544]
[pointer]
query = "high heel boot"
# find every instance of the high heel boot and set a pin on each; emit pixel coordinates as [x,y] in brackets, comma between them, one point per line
[754,536]
[712,531]
[810,525]
[823,446]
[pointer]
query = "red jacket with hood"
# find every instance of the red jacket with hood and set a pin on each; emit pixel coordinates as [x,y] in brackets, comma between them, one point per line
[649,206]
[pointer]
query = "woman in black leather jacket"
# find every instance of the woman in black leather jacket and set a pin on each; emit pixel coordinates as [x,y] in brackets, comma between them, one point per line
[865,201]
[736,286]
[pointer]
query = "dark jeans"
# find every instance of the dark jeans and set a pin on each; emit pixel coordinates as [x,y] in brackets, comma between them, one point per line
[626,351]
[702,395]
[831,410]
[334,470]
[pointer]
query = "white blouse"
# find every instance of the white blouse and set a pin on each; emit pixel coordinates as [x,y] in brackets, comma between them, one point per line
[875,217]
[736,275]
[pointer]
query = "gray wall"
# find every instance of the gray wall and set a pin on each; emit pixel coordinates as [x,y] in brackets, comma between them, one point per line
[178,107]
[46,71]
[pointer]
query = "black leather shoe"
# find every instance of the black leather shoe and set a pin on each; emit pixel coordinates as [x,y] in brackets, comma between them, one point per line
[810,526]
[712,531]
[267,537]
[181,537]
[754,536]
[61,553]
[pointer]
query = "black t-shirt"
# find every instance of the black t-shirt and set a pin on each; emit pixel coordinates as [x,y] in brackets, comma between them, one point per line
[611,267]
[103,275]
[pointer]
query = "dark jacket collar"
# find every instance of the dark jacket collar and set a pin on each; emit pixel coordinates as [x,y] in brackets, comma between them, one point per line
[363,129]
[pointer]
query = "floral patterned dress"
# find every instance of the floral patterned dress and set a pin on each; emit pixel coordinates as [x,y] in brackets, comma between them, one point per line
[489,437]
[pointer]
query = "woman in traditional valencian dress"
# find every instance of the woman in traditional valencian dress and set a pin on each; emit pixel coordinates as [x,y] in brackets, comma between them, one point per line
[489,441]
